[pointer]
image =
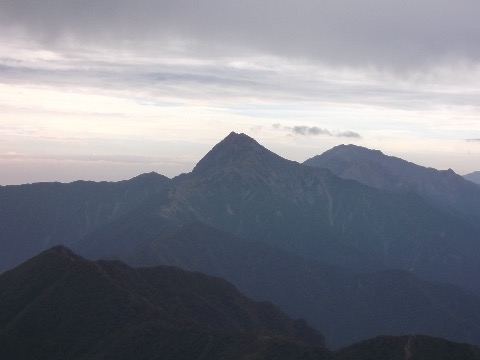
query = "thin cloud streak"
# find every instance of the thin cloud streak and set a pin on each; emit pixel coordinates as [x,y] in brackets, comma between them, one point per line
[129,159]
[220,82]
[303,130]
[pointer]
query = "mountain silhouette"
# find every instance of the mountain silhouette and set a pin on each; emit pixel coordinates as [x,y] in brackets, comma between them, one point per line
[59,305]
[473,177]
[373,168]
[412,347]
[238,150]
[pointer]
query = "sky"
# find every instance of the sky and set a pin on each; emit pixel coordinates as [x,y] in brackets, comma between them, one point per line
[109,89]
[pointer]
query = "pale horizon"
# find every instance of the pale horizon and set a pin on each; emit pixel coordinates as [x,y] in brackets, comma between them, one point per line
[113,170]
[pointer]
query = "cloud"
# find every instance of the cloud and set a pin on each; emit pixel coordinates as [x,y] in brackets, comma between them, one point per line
[473,140]
[348,134]
[386,34]
[303,130]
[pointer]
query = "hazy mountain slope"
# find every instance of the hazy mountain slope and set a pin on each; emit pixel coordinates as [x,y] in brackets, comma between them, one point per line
[128,231]
[34,217]
[473,177]
[343,305]
[411,347]
[58,305]
[311,212]
[243,188]
[373,168]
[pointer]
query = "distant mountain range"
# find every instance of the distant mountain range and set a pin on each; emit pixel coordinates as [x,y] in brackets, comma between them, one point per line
[373,168]
[473,177]
[58,305]
[37,216]
[364,243]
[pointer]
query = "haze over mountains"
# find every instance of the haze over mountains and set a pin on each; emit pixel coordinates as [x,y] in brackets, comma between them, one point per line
[37,216]
[358,243]
[345,306]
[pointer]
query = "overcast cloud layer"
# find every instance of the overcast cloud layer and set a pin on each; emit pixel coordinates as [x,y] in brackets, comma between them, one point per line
[390,34]
[159,82]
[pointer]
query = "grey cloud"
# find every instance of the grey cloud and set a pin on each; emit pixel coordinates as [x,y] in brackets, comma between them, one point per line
[305,130]
[473,140]
[348,134]
[387,34]
[207,37]
[314,131]
[218,80]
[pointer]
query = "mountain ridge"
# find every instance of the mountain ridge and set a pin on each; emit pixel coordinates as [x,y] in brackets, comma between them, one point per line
[105,308]
[473,177]
[233,150]
[340,220]
[36,216]
[408,347]
[342,304]
[375,169]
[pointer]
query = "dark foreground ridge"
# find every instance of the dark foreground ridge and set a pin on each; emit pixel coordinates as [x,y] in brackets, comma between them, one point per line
[58,305]
[409,347]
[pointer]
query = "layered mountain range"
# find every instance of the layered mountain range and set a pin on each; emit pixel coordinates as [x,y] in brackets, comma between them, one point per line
[58,305]
[34,217]
[359,243]
[344,305]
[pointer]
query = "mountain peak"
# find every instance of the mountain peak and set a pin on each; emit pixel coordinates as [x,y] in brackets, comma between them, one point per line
[151,178]
[349,152]
[236,150]
[473,177]
[233,136]
[239,140]
[373,168]
[61,251]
